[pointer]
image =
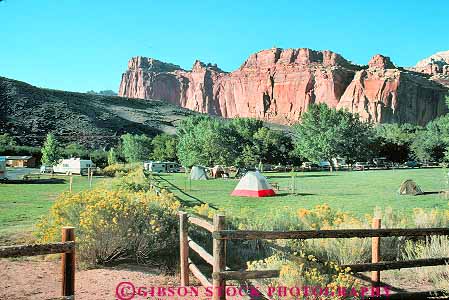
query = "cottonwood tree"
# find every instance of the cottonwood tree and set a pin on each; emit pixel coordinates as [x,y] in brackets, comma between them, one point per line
[136,148]
[50,153]
[112,157]
[393,141]
[432,142]
[325,133]
[164,147]
[205,141]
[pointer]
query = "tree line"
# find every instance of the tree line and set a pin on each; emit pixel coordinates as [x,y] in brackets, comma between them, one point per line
[323,134]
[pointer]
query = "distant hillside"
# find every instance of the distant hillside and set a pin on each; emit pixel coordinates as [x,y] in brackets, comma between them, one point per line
[29,113]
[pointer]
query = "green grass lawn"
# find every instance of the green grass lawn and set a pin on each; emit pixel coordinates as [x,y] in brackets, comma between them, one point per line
[358,192]
[21,205]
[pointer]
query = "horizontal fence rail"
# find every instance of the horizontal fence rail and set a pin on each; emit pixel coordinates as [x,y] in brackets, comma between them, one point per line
[201,223]
[325,234]
[244,275]
[200,276]
[201,252]
[37,249]
[396,265]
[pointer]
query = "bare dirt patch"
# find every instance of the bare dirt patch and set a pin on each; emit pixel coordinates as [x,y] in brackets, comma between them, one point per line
[38,279]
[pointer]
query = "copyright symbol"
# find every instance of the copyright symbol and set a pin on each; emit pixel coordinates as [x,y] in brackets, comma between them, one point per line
[125,291]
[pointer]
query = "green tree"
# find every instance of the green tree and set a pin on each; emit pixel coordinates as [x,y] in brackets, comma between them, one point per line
[206,141]
[76,150]
[327,133]
[136,148]
[6,141]
[249,156]
[164,147]
[245,128]
[432,142]
[273,146]
[50,153]
[112,157]
[393,141]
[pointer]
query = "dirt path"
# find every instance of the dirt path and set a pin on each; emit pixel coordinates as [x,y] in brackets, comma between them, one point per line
[37,279]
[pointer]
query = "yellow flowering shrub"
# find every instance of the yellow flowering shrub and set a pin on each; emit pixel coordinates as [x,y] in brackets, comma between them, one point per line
[116,169]
[343,251]
[135,180]
[206,211]
[301,270]
[115,224]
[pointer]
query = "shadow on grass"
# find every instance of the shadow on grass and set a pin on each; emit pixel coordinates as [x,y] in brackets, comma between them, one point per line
[34,181]
[188,195]
[430,193]
[301,175]
[283,194]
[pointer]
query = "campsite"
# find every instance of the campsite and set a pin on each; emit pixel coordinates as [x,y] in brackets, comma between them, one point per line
[370,189]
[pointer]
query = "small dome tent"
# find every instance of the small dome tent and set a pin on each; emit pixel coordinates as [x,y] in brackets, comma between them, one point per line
[253,184]
[198,173]
[409,187]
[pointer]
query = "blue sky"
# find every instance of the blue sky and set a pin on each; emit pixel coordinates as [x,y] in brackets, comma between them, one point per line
[79,45]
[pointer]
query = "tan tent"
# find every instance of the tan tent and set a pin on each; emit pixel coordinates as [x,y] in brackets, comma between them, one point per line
[217,171]
[409,187]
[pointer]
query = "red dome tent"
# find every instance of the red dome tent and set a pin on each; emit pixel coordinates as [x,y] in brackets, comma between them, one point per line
[253,184]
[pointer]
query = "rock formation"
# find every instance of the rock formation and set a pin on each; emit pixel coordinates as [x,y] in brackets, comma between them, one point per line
[383,93]
[437,66]
[277,85]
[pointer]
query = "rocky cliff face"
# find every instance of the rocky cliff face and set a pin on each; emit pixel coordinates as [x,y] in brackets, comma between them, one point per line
[383,93]
[278,85]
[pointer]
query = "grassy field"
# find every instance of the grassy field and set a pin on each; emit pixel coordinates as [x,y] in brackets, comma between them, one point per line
[21,205]
[358,192]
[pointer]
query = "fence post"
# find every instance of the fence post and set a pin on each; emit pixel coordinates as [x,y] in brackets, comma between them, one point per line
[375,250]
[71,183]
[90,179]
[68,263]
[184,248]
[219,254]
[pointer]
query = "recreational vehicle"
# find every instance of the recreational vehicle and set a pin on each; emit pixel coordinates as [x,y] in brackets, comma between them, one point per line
[2,167]
[74,166]
[161,166]
[339,163]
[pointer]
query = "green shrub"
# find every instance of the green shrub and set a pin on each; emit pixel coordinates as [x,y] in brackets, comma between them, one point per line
[432,247]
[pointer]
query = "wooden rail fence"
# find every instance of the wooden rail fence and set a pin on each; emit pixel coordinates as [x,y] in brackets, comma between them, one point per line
[66,248]
[218,258]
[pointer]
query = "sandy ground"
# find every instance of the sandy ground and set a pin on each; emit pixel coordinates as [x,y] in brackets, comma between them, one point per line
[37,279]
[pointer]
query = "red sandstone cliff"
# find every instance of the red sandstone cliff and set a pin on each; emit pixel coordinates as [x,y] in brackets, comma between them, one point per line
[278,85]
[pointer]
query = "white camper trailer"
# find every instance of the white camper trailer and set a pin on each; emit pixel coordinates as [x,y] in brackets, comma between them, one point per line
[74,166]
[2,167]
[161,166]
